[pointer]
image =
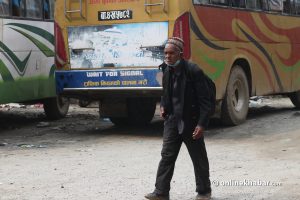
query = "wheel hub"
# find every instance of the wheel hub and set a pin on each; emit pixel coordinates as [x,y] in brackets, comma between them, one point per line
[237,96]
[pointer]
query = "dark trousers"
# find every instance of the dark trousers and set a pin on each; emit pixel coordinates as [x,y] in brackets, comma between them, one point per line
[172,141]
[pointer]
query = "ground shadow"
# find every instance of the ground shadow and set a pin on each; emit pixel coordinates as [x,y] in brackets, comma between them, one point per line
[81,126]
[256,113]
[260,121]
[11,120]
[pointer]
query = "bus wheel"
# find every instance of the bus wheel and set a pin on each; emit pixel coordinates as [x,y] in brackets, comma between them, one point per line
[235,104]
[56,107]
[140,112]
[295,98]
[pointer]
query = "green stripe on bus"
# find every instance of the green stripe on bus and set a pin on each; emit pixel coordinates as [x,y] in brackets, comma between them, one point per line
[219,65]
[5,73]
[52,71]
[290,68]
[46,51]
[41,32]
[20,65]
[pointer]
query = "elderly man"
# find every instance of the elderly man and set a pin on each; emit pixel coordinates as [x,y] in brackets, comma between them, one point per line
[185,107]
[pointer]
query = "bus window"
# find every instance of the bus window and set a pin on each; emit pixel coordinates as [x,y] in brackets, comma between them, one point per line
[276,5]
[201,1]
[251,4]
[264,4]
[292,7]
[257,4]
[238,3]
[287,6]
[297,7]
[34,9]
[18,8]
[49,9]
[4,7]
[220,2]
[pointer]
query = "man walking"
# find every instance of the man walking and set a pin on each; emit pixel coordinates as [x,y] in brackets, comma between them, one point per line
[185,106]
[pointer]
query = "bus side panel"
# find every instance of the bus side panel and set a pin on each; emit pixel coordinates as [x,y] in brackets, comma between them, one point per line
[272,47]
[295,70]
[26,60]
[213,54]
[212,62]
[286,52]
[258,48]
[255,37]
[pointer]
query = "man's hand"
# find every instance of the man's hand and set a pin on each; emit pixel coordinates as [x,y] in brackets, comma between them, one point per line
[198,132]
[163,114]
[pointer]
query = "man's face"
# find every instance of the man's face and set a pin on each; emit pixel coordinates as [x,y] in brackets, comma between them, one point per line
[172,54]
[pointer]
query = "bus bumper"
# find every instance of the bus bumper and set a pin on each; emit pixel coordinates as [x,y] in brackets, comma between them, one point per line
[101,83]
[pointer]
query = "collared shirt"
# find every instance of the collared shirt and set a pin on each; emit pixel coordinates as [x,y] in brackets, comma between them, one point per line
[176,87]
[175,94]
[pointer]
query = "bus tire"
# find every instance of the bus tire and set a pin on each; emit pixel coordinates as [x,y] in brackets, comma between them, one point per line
[140,112]
[56,107]
[295,99]
[235,104]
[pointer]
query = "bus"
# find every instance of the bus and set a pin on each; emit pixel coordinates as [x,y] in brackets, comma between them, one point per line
[110,49]
[27,55]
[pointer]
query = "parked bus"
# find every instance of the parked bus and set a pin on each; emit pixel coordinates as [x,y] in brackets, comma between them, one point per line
[27,55]
[110,49]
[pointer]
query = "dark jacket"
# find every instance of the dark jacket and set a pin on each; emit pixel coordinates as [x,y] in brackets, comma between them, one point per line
[195,103]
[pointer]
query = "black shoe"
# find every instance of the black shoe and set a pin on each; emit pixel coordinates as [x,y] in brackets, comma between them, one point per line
[155,196]
[205,196]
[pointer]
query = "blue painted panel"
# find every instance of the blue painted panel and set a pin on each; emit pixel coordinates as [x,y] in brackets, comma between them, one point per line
[105,78]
